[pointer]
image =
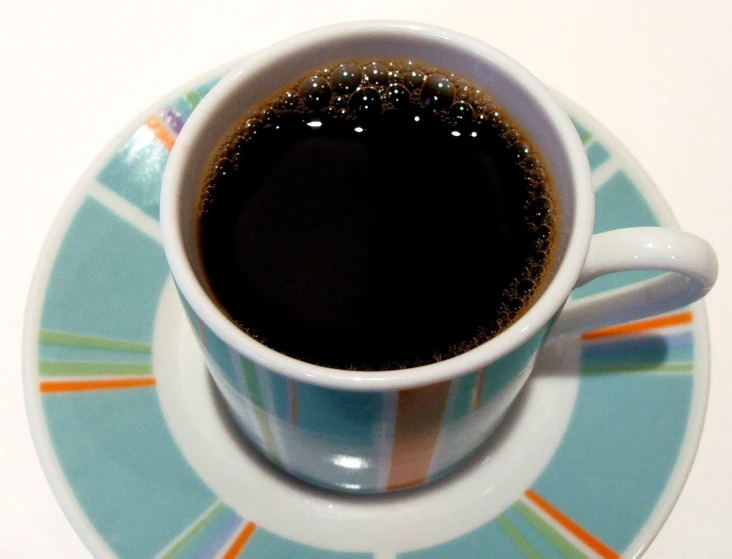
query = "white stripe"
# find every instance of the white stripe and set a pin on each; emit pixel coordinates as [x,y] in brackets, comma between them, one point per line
[561,530]
[604,172]
[265,388]
[243,403]
[384,555]
[187,530]
[127,211]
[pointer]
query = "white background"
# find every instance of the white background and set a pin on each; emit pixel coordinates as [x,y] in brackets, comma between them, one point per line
[73,73]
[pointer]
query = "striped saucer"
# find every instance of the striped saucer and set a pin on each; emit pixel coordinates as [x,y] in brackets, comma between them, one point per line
[144,464]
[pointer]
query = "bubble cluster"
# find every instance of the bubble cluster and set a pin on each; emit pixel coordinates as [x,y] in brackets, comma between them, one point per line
[357,93]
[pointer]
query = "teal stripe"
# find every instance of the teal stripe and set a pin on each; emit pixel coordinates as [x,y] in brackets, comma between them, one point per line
[322,410]
[70,353]
[620,424]
[218,350]
[618,204]
[106,280]
[344,423]
[182,108]
[202,90]
[127,474]
[135,171]
[597,154]
[280,387]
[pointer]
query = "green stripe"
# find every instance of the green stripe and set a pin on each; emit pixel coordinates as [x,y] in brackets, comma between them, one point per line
[92,342]
[660,368]
[550,534]
[252,382]
[188,536]
[255,395]
[519,541]
[60,368]
[192,98]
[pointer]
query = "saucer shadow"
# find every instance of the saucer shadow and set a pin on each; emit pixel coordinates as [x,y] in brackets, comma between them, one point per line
[618,356]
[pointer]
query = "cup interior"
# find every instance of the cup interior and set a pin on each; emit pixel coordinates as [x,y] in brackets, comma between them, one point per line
[258,77]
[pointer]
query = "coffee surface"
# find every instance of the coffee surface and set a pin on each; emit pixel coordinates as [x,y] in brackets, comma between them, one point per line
[375,216]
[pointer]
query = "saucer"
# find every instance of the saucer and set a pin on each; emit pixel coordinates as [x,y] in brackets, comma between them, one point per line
[145,463]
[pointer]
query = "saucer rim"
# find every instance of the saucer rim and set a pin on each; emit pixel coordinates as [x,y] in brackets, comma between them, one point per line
[35,297]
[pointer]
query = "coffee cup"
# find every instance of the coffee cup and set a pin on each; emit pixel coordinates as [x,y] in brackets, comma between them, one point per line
[376,431]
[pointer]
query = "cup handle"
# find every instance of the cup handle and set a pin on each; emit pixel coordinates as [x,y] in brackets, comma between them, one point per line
[692,270]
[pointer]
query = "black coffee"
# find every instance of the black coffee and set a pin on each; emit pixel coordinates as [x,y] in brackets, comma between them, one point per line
[375,216]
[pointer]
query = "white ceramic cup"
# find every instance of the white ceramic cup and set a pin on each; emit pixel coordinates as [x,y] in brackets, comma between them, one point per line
[382,431]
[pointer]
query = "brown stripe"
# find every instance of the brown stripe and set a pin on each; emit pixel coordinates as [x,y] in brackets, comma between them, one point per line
[293,401]
[479,389]
[202,332]
[418,422]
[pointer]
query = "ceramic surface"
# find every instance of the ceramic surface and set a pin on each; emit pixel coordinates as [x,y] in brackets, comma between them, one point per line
[126,422]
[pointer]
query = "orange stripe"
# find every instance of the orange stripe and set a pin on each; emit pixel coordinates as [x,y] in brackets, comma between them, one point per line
[240,541]
[56,386]
[640,326]
[418,422]
[161,133]
[580,533]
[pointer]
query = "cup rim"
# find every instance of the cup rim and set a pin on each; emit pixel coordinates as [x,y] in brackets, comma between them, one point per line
[532,321]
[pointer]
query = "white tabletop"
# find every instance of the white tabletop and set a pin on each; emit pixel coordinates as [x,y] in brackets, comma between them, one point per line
[75,72]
